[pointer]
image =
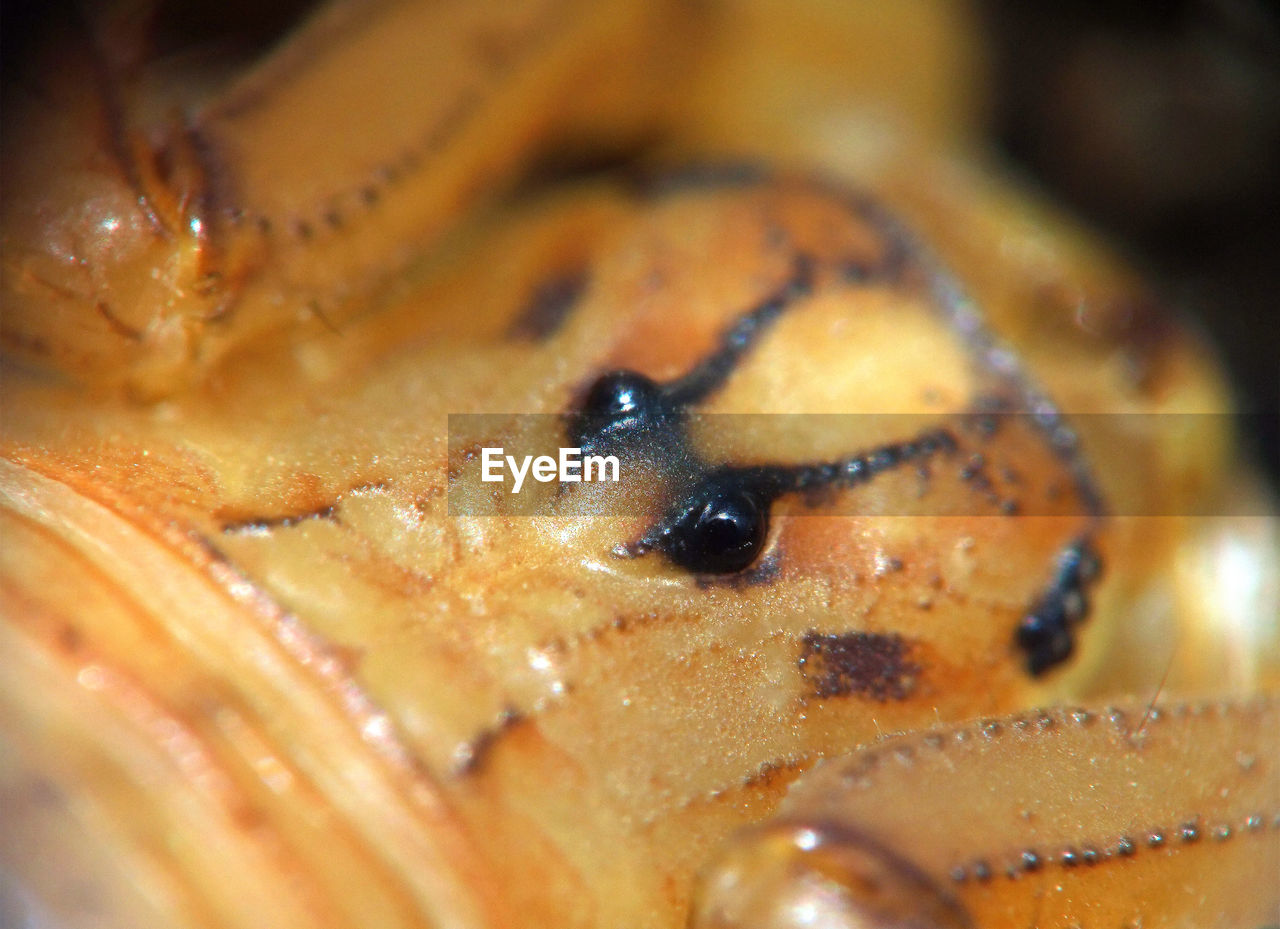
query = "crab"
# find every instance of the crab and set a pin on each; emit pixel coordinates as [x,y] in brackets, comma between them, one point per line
[932,595]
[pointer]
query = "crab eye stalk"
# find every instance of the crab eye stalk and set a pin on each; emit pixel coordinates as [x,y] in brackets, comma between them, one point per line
[721,532]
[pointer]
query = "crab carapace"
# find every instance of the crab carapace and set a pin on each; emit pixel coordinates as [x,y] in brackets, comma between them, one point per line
[914,455]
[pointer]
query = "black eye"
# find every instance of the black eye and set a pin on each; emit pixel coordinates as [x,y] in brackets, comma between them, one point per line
[721,533]
[619,394]
[619,404]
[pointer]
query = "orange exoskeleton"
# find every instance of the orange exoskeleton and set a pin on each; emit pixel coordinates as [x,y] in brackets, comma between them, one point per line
[909,455]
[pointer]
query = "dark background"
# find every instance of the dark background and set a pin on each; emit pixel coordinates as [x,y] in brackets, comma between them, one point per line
[1159,123]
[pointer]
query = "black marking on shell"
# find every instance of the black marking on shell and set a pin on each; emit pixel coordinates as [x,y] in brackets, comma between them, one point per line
[1046,634]
[328,511]
[867,664]
[548,306]
[469,757]
[281,521]
[655,185]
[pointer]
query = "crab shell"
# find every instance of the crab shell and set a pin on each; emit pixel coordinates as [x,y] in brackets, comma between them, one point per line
[256,672]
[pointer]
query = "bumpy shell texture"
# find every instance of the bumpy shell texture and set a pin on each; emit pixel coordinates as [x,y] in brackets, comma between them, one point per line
[274,656]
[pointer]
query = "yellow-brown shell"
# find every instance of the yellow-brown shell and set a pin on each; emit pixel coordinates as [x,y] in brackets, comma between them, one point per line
[257,674]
